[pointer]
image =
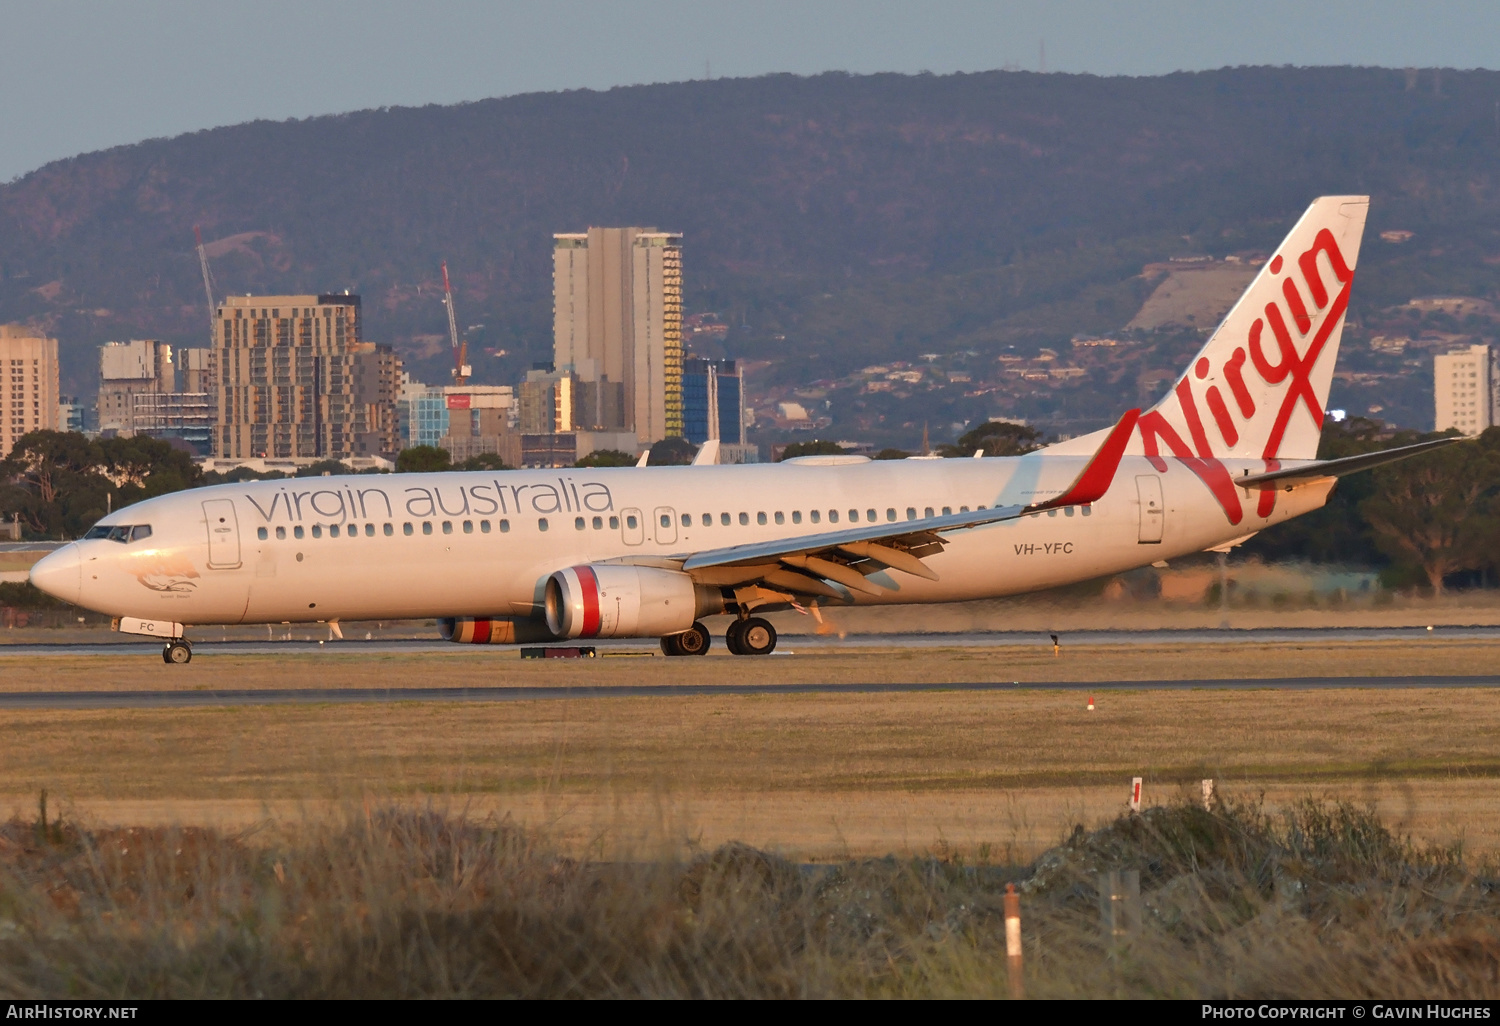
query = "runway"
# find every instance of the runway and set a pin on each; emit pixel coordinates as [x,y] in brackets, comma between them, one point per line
[343,696]
[308,637]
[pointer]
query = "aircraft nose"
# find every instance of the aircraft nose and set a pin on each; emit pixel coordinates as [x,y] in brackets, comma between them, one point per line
[60,574]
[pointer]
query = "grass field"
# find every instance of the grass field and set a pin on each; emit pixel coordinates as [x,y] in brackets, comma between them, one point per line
[814,776]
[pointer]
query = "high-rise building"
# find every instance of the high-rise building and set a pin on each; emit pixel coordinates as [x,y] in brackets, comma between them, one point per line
[28,361]
[292,377]
[713,401]
[617,328]
[1463,390]
[139,367]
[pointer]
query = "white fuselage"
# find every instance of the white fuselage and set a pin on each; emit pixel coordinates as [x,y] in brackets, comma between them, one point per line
[484,544]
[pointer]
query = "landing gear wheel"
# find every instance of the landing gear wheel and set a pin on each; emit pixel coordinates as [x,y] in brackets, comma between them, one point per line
[734,638]
[693,641]
[757,637]
[176,653]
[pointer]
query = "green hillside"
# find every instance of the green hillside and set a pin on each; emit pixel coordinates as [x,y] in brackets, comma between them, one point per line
[835,221]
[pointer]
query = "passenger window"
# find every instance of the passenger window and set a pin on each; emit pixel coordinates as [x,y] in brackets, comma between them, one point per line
[580,524]
[760,518]
[1052,512]
[911,513]
[890,514]
[144,531]
[369,530]
[389,530]
[744,519]
[614,523]
[468,527]
[963,509]
[484,527]
[1088,511]
[927,512]
[947,511]
[318,531]
[598,523]
[297,532]
[447,527]
[724,519]
[505,527]
[427,527]
[406,529]
[631,522]
[833,516]
[280,533]
[708,520]
[687,520]
[666,520]
[780,517]
[796,516]
[353,531]
[261,533]
[541,523]
[816,516]
[333,530]
[1068,511]
[854,516]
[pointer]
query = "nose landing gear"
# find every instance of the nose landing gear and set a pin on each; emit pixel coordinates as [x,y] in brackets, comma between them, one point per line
[753,636]
[177,652]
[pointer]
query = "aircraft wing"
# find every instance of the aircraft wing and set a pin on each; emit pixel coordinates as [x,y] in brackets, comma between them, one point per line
[1274,479]
[804,564]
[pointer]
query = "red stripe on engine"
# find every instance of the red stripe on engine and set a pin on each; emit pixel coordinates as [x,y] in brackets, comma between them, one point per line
[588,589]
[482,632]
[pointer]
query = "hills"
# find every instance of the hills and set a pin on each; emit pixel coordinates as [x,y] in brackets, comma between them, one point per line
[834,222]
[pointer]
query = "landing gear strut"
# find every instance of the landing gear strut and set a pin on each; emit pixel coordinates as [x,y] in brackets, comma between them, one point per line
[693,641]
[177,652]
[752,636]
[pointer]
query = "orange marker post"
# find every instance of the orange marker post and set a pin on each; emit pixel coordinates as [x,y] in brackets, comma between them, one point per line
[1013,941]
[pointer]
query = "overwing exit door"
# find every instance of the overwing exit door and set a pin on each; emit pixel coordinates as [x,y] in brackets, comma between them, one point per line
[666,525]
[1153,510]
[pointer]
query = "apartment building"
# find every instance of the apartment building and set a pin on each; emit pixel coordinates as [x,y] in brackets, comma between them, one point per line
[128,370]
[292,377]
[617,329]
[1463,390]
[29,400]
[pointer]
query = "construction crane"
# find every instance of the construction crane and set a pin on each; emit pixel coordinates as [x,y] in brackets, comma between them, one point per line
[208,278]
[461,368]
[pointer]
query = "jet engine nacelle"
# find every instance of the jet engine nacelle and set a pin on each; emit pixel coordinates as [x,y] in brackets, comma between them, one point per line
[606,600]
[484,630]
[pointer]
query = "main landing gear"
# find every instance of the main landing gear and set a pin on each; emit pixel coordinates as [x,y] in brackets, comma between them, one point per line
[753,636]
[693,641]
[177,652]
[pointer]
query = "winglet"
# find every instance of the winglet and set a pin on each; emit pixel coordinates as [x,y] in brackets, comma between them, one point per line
[644,457]
[708,453]
[1096,478]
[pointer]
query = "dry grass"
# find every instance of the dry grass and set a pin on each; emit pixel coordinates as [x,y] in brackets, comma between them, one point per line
[813,775]
[350,666]
[1319,902]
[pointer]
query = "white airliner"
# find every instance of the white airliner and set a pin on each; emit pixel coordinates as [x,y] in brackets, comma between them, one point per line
[521,556]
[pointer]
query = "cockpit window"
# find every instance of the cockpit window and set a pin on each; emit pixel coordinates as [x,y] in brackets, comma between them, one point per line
[119,532]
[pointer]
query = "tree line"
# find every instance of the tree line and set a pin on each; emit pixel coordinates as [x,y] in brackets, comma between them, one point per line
[1432,521]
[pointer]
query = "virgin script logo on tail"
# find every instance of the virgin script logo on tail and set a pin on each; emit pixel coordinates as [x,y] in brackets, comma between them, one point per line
[1297,338]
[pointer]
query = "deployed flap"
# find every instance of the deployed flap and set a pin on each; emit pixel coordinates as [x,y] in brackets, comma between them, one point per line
[1337,468]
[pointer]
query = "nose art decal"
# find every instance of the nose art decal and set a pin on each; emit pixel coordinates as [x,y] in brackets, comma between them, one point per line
[162,571]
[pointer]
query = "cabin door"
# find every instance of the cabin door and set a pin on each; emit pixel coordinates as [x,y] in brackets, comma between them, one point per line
[1153,511]
[223,534]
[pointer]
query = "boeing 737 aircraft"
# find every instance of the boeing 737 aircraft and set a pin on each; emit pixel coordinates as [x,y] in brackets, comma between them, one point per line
[520,556]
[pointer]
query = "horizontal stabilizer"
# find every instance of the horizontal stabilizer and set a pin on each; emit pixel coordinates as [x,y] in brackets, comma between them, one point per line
[1337,468]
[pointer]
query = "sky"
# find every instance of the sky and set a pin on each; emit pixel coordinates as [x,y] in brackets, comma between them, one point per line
[81,76]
